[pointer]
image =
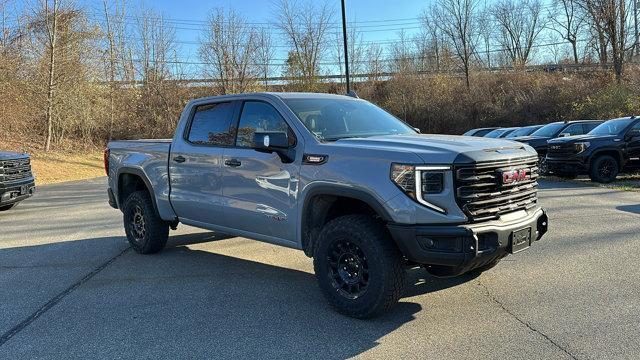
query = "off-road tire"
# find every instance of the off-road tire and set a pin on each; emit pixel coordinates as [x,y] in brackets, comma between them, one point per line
[149,235]
[7,207]
[385,272]
[596,172]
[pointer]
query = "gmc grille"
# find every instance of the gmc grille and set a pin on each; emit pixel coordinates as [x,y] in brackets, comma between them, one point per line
[14,170]
[560,151]
[481,194]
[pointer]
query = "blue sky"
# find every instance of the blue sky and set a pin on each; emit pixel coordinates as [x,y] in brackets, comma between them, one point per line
[372,16]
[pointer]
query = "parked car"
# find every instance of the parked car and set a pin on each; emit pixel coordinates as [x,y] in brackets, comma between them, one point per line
[538,139]
[500,132]
[337,177]
[603,153]
[16,179]
[523,131]
[479,132]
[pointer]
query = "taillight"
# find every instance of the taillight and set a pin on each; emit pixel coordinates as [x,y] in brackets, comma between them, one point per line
[105,155]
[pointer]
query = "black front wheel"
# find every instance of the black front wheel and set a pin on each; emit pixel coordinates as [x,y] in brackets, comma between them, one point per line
[146,231]
[358,267]
[604,169]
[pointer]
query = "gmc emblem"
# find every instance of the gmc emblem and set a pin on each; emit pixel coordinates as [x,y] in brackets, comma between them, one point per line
[514,176]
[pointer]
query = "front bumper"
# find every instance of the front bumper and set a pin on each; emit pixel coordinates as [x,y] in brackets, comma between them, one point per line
[11,193]
[461,248]
[578,164]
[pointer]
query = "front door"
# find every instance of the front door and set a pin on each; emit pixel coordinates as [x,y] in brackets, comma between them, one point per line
[260,189]
[195,163]
[633,146]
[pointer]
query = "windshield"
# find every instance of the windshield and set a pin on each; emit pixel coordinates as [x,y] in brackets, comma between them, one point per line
[611,127]
[334,119]
[549,130]
[496,133]
[522,131]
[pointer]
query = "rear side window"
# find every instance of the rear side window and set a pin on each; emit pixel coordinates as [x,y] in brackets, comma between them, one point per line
[211,125]
[261,117]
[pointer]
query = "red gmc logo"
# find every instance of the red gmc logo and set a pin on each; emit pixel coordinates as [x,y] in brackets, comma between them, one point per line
[514,176]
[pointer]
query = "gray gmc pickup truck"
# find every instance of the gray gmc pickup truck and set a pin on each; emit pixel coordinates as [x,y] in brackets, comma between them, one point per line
[337,177]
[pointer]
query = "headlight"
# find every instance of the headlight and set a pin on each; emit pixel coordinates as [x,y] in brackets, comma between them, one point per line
[404,176]
[581,146]
[419,181]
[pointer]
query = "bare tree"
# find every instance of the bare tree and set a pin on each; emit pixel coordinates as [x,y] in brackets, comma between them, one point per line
[355,48]
[567,18]
[306,27]
[51,17]
[231,47]
[265,55]
[457,20]
[520,23]
[432,33]
[610,20]
[375,61]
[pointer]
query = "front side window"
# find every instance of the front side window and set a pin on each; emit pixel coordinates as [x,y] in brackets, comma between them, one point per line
[261,117]
[334,119]
[211,125]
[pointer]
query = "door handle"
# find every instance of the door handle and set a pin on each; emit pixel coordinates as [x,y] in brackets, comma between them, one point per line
[232,162]
[179,159]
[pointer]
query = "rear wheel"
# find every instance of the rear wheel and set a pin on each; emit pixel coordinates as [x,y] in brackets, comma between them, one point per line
[146,231]
[604,169]
[7,207]
[358,267]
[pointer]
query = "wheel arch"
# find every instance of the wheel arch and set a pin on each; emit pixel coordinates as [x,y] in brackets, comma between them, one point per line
[615,153]
[131,180]
[323,203]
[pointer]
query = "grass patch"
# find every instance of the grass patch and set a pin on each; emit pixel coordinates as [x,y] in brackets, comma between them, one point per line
[54,167]
[68,161]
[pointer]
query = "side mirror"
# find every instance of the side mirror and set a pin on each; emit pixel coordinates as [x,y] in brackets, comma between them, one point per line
[270,140]
[417,130]
[564,135]
[274,141]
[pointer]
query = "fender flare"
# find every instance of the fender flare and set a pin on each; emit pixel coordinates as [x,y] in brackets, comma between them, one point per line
[141,174]
[341,191]
[607,149]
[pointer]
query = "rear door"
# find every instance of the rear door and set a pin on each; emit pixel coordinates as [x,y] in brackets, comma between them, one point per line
[260,189]
[195,162]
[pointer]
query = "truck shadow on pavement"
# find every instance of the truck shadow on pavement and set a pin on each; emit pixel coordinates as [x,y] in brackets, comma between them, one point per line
[192,303]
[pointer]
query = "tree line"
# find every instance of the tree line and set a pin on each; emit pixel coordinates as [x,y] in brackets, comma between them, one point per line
[118,71]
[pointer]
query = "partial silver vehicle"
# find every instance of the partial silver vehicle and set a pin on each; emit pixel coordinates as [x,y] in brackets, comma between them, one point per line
[17,182]
[337,177]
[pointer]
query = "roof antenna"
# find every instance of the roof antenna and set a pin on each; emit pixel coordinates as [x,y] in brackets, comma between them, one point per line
[352,94]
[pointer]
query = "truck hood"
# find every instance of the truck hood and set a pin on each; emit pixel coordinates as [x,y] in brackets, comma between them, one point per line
[445,149]
[586,137]
[7,155]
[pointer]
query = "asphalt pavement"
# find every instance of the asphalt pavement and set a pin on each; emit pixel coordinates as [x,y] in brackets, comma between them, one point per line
[72,288]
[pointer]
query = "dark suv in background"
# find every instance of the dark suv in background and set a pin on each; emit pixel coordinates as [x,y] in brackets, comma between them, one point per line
[16,179]
[538,139]
[610,148]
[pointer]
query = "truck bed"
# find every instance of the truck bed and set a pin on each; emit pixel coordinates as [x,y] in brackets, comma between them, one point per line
[146,157]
